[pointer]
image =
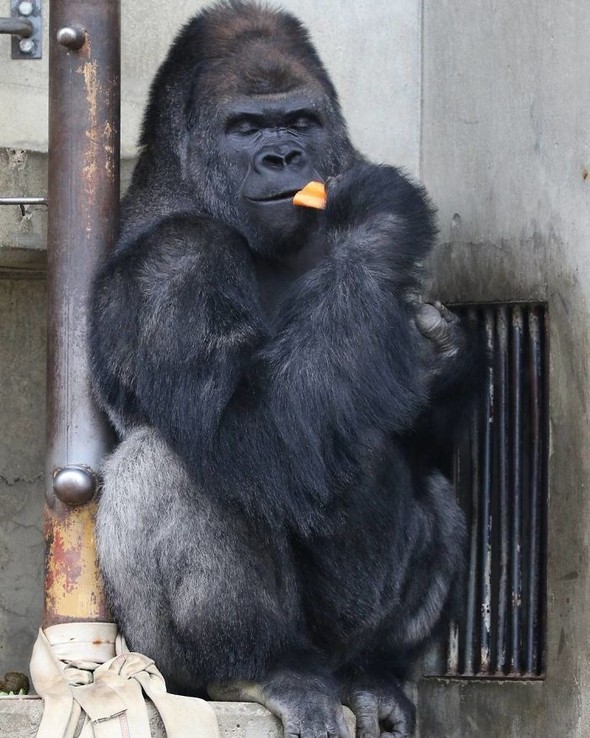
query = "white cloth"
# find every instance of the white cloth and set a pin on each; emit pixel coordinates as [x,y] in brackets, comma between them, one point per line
[85,668]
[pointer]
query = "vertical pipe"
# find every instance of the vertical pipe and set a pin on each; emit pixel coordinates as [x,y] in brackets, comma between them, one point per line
[535,493]
[502,385]
[541,633]
[469,666]
[454,634]
[486,512]
[516,484]
[83,195]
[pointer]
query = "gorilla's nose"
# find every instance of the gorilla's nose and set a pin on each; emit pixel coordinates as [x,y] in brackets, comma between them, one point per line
[279,159]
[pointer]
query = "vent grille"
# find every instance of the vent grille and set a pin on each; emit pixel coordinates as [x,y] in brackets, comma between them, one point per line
[500,476]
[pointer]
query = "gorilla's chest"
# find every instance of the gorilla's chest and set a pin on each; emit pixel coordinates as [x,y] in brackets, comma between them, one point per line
[275,279]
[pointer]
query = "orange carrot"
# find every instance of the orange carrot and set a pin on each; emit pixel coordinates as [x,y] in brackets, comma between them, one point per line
[313,195]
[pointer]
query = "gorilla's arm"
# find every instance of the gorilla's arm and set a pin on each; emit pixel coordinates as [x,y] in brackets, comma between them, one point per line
[348,360]
[175,329]
[174,318]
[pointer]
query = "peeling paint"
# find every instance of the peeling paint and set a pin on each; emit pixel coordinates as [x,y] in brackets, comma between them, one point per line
[90,167]
[73,590]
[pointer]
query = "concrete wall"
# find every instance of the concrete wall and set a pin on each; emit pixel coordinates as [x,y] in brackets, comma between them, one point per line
[22,432]
[388,49]
[505,153]
[493,116]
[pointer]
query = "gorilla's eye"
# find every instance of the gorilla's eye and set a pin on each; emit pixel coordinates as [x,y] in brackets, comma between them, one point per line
[304,122]
[243,127]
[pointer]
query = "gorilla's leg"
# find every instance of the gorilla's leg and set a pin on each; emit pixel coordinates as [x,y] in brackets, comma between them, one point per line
[371,681]
[210,597]
[191,585]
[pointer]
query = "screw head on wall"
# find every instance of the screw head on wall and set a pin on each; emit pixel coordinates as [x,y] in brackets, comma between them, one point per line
[26,45]
[26,8]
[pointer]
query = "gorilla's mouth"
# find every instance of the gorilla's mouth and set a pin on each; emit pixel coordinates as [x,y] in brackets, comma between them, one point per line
[279,197]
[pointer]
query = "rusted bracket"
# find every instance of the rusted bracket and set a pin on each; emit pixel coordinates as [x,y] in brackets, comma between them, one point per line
[24,25]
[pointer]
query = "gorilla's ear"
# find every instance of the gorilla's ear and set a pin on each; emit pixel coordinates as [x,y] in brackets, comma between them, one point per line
[191,102]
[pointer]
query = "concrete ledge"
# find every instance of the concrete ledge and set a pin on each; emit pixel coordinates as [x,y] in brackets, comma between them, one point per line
[23,232]
[20,718]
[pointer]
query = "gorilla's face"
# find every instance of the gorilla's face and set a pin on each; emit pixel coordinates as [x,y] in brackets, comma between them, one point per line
[243,114]
[273,145]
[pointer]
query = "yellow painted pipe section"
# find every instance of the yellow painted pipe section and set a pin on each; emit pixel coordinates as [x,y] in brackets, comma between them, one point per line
[73,588]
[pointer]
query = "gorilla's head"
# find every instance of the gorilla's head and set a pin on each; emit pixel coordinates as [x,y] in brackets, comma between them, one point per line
[242,114]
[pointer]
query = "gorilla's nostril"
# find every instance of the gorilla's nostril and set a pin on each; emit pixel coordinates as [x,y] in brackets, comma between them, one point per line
[274,161]
[281,160]
[294,157]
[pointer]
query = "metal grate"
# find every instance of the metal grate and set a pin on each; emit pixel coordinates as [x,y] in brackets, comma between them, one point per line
[500,475]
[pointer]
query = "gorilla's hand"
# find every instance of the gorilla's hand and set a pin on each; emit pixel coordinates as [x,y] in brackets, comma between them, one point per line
[367,190]
[307,704]
[381,710]
[377,208]
[442,327]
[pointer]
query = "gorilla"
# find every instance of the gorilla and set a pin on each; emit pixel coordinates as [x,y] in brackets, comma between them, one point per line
[275,524]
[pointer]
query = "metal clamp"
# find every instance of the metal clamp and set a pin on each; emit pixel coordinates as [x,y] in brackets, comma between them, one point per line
[24,25]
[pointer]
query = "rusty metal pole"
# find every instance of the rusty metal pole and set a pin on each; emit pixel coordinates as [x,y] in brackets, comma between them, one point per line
[83,198]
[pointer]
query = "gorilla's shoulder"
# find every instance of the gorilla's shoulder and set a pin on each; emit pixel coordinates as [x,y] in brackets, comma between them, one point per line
[181,235]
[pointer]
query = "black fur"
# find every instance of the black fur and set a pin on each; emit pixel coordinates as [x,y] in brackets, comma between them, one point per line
[275,513]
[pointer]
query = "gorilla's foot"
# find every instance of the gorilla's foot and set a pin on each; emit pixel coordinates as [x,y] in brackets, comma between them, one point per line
[381,711]
[441,326]
[307,704]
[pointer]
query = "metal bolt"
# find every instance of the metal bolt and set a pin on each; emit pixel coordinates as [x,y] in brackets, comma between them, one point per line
[26,45]
[74,485]
[72,37]
[26,8]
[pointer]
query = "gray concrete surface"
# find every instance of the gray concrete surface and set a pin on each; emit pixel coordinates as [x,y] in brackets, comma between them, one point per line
[21,718]
[23,232]
[505,154]
[22,433]
[372,49]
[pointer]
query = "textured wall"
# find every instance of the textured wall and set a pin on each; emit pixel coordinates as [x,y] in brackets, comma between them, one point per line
[505,154]
[381,61]
[22,428]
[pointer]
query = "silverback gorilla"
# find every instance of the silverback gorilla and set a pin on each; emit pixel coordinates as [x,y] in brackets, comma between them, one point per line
[274,525]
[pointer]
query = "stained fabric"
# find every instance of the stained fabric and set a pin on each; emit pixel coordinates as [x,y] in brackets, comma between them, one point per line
[85,670]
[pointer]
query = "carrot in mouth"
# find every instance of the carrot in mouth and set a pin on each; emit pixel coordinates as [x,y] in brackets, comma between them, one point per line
[313,195]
